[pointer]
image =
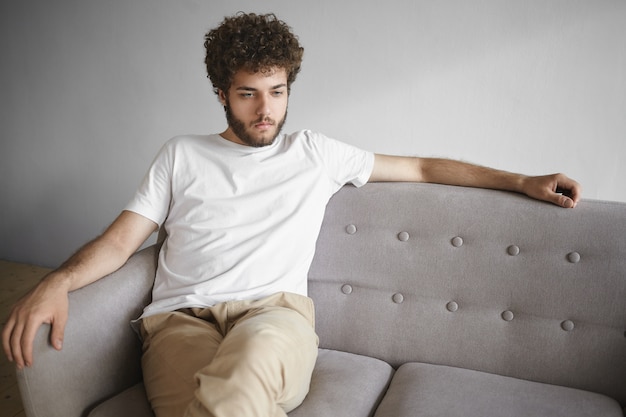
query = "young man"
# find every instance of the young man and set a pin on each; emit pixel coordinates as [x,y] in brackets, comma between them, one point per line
[230,330]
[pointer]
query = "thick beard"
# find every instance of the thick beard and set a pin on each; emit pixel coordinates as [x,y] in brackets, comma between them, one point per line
[239,129]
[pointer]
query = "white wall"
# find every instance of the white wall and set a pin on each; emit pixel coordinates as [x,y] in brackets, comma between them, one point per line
[91,89]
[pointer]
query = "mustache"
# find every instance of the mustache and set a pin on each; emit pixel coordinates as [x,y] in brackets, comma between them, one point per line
[263,119]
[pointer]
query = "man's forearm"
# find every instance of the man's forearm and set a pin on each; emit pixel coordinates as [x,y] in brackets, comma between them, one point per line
[96,259]
[451,172]
[105,254]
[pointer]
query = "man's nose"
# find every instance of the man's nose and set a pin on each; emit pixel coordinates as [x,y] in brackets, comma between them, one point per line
[263,109]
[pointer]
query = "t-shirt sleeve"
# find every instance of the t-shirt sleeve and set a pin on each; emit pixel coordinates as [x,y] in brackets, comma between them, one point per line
[152,198]
[345,163]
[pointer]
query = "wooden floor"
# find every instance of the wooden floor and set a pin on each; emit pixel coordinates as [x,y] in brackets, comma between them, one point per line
[15,280]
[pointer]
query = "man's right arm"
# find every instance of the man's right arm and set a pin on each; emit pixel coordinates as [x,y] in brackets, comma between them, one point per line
[48,301]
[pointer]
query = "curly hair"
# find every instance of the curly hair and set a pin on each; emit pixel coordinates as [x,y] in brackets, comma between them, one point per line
[256,43]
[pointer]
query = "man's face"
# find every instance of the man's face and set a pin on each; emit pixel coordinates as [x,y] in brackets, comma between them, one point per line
[256,107]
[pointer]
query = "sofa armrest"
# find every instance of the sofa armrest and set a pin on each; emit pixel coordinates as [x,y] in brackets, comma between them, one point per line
[101,352]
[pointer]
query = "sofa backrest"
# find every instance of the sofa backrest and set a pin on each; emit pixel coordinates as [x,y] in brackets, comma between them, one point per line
[479,279]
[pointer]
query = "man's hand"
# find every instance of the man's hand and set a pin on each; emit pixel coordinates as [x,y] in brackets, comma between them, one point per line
[556,188]
[46,303]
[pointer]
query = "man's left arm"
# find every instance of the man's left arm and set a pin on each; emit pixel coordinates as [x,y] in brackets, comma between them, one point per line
[556,188]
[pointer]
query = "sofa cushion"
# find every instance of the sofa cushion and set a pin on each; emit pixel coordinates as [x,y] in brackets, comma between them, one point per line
[132,402]
[346,385]
[342,381]
[419,389]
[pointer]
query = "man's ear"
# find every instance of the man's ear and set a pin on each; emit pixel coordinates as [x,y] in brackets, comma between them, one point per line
[222,97]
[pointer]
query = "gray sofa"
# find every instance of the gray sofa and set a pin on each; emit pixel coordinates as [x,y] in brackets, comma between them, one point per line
[431,301]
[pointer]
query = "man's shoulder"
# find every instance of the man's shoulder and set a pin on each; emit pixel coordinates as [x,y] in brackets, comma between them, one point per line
[187,143]
[184,140]
[309,138]
[316,140]
[305,133]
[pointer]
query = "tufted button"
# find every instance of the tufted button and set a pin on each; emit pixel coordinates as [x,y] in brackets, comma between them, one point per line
[346,289]
[398,298]
[573,257]
[513,250]
[567,325]
[507,315]
[350,229]
[403,236]
[457,241]
[452,306]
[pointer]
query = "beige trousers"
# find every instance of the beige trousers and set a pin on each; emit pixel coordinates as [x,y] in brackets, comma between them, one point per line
[240,358]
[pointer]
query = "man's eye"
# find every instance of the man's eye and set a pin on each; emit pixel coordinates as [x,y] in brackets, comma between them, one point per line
[246,95]
[277,93]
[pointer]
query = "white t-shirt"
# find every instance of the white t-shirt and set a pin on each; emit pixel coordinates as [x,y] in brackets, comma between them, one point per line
[241,222]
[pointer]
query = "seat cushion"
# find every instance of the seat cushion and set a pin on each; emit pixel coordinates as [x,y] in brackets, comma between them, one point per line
[346,385]
[419,389]
[132,402]
[342,381]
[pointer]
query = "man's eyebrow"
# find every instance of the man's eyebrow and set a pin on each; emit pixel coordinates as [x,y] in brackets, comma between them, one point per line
[276,87]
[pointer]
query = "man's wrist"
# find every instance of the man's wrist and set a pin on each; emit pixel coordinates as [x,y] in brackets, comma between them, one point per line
[58,280]
[521,183]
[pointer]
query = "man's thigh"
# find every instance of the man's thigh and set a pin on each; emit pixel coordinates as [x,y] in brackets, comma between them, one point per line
[176,345]
[267,355]
[264,364]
